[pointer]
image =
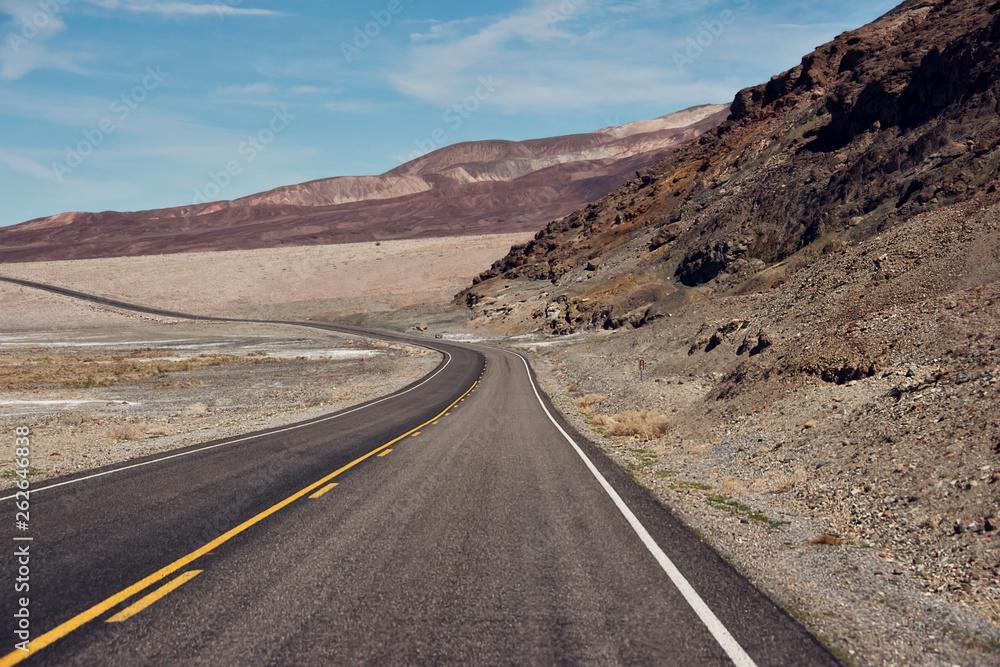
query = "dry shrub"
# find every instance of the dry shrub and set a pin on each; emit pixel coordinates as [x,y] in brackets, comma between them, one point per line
[585,403]
[732,486]
[73,418]
[122,432]
[572,387]
[31,371]
[186,384]
[195,410]
[648,425]
[779,481]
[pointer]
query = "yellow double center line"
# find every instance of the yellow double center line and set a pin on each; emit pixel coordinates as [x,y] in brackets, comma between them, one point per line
[97,610]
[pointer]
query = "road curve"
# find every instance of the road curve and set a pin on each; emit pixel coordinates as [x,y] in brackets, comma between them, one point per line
[459,520]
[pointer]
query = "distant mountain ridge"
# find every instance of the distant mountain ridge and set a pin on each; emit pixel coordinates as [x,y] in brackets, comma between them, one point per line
[468,188]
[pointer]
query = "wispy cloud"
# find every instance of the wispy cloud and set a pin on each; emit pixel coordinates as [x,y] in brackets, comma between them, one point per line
[351,106]
[308,90]
[181,8]
[25,46]
[439,30]
[26,166]
[546,66]
[250,89]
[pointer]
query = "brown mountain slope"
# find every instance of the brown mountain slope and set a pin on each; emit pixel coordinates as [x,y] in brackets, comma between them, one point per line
[469,188]
[815,289]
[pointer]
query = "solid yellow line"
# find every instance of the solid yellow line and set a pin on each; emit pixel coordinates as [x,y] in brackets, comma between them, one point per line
[385,452]
[89,615]
[323,490]
[161,592]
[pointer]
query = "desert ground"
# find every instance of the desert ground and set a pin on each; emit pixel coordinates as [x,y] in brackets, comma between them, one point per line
[773,484]
[99,396]
[100,385]
[334,281]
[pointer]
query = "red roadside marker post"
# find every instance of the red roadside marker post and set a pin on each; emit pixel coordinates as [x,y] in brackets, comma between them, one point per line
[642,367]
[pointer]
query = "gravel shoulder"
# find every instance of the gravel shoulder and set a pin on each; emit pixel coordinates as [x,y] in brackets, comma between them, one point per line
[866,602]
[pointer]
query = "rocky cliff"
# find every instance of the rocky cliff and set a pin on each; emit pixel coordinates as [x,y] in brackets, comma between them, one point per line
[885,122]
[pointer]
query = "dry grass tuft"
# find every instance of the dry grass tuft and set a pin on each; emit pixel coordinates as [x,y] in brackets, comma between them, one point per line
[586,403]
[196,410]
[73,418]
[187,384]
[648,425]
[124,432]
[779,481]
[20,371]
[732,486]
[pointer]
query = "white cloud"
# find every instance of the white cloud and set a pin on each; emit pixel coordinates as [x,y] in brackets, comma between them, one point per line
[251,89]
[183,8]
[350,106]
[602,55]
[270,89]
[545,65]
[25,39]
[26,166]
[441,30]
[308,90]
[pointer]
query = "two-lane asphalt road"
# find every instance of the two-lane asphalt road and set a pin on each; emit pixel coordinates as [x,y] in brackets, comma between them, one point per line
[456,521]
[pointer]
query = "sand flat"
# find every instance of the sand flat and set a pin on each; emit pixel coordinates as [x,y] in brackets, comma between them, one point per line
[354,277]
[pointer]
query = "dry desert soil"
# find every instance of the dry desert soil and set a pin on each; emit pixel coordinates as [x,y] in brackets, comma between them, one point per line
[100,385]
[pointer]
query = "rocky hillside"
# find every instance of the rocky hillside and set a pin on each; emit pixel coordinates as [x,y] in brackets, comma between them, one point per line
[814,286]
[885,122]
[488,187]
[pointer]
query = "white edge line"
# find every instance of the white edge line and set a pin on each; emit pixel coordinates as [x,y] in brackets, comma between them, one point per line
[711,621]
[318,420]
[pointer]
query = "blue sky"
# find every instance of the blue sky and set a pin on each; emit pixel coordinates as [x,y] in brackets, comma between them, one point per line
[138,104]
